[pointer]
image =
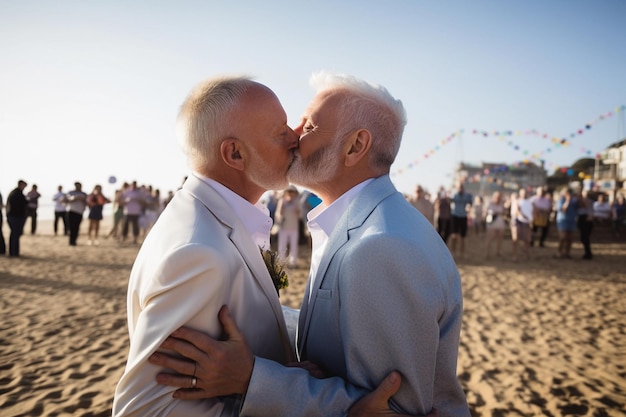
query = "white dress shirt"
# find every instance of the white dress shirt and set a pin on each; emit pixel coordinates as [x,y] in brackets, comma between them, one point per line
[255,217]
[321,222]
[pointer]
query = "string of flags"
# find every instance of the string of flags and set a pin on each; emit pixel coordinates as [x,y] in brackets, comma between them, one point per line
[555,144]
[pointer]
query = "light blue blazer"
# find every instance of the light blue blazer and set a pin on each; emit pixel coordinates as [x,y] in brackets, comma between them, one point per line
[387,296]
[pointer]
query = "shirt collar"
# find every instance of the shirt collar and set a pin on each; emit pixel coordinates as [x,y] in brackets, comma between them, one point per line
[327,217]
[255,217]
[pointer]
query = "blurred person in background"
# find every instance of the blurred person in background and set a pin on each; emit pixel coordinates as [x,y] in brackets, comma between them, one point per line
[32,198]
[76,205]
[618,213]
[420,201]
[496,224]
[542,207]
[96,202]
[288,213]
[16,217]
[566,211]
[60,211]
[585,222]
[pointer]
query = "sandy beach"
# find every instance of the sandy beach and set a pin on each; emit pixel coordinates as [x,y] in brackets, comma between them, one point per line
[543,337]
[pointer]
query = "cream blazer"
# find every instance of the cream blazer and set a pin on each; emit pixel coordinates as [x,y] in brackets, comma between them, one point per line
[196,258]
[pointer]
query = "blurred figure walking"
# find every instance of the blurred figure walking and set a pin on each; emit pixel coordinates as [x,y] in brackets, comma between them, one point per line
[60,210]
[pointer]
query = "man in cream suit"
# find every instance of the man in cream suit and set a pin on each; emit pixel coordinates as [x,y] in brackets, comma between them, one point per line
[384,292]
[203,252]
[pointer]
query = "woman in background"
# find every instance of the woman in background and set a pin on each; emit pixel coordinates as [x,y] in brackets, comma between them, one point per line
[287,219]
[96,202]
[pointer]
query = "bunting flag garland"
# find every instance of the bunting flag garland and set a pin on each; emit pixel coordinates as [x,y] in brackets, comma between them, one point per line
[555,142]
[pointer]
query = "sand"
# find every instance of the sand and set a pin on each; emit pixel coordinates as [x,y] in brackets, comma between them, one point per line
[543,337]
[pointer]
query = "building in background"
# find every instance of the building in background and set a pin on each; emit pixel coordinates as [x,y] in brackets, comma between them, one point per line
[610,170]
[486,178]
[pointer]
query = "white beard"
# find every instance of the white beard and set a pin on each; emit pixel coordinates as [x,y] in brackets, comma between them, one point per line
[319,168]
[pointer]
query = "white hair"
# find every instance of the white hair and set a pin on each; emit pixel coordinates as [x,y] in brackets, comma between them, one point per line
[367,106]
[204,117]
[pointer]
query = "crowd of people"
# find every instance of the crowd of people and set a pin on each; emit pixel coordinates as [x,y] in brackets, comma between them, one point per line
[136,207]
[527,218]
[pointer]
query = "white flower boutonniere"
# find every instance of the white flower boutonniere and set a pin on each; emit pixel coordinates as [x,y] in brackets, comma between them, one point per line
[276,269]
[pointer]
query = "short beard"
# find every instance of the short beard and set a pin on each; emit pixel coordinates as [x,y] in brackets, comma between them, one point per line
[267,177]
[319,168]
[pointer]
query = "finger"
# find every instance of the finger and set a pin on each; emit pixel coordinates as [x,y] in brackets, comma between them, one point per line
[184,348]
[201,341]
[229,324]
[387,388]
[176,364]
[175,380]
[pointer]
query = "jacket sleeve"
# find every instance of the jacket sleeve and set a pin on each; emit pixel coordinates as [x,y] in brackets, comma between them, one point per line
[161,299]
[276,390]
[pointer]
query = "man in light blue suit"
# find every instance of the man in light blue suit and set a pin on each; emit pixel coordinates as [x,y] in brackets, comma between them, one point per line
[384,293]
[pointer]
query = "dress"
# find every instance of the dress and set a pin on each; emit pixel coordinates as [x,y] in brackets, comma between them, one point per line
[96,206]
[288,216]
[566,222]
[495,217]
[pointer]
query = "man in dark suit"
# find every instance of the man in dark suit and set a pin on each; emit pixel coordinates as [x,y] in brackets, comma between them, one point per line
[16,217]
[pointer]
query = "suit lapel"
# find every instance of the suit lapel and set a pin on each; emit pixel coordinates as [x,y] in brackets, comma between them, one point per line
[356,214]
[249,251]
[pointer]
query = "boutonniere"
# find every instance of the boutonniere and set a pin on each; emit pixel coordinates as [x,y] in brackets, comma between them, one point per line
[276,269]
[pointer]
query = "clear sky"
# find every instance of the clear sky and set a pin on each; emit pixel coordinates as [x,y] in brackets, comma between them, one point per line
[90,90]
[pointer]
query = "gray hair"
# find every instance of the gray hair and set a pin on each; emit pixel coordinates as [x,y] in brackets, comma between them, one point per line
[367,106]
[205,117]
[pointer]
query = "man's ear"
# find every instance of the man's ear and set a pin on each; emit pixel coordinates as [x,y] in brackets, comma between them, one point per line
[230,151]
[360,143]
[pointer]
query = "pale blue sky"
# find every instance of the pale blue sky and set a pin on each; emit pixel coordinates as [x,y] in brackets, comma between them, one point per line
[91,89]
